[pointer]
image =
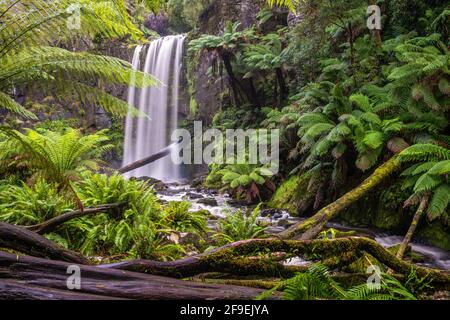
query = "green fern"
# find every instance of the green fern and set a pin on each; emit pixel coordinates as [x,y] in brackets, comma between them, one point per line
[27,59]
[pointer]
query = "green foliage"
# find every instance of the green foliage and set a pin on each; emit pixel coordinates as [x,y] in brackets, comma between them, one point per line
[184,14]
[266,54]
[231,39]
[56,157]
[239,225]
[25,205]
[243,180]
[429,176]
[27,57]
[317,284]
[176,216]
[290,4]
[137,230]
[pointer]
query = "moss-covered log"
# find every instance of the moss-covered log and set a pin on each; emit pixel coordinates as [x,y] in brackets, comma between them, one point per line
[212,262]
[311,227]
[233,258]
[412,228]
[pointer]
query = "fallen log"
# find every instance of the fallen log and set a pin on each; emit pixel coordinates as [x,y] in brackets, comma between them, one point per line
[232,258]
[16,290]
[195,265]
[49,274]
[311,227]
[51,224]
[28,242]
[140,163]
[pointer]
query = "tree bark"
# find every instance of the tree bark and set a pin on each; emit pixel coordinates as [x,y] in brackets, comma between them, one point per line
[16,290]
[232,258]
[233,81]
[412,228]
[311,227]
[35,277]
[29,242]
[52,224]
[282,84]
[140,163]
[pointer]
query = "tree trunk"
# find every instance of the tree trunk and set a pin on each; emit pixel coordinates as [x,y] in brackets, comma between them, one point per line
[140,163]
[52,224]
[412,228]
[31,277]
[29,242]
[17,290]
[233,81]
[282,84]
[233,259]
[311,227]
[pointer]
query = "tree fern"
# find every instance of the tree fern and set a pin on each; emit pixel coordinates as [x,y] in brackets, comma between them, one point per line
[29,27]
[55,157]
[429,176]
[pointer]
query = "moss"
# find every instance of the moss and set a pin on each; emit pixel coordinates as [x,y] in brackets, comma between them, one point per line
[293,195]
[435,234]
[386,212]
[193,105]
[363,263]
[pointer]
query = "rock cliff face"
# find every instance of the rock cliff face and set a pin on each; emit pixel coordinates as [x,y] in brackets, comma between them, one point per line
[209,94]
[213,19]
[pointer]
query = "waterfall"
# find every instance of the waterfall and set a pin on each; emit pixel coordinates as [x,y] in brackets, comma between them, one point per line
[145,136]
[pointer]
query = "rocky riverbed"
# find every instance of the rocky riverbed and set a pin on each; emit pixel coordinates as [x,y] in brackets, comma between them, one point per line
[218,204]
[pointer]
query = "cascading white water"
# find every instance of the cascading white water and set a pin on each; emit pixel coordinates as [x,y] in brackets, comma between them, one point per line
[145,136]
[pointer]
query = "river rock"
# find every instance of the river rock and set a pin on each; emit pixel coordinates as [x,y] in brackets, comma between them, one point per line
[271,213]
[188,238]
[157,184]
[193,196]
[208,201]
[197,182]
[284,223]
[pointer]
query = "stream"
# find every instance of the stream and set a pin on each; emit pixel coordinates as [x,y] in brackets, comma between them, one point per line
[279,220]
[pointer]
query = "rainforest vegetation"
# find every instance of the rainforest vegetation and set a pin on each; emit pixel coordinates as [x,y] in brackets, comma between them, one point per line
[363,117]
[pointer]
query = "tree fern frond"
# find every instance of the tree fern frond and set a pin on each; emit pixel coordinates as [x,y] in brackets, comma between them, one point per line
[9,104]
[439,202]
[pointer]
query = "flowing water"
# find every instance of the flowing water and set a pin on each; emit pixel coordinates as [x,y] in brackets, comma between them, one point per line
[146,135]
[278,220]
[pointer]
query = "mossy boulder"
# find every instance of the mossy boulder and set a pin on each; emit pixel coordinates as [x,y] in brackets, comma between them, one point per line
[294,195]
[383,209]
[435,233]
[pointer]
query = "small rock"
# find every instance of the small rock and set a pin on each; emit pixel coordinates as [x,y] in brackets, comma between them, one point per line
[277,216]
[157,184]
[270,213]
[193,196]
[198,182]
[208,201]
[283,223]
[187,238]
